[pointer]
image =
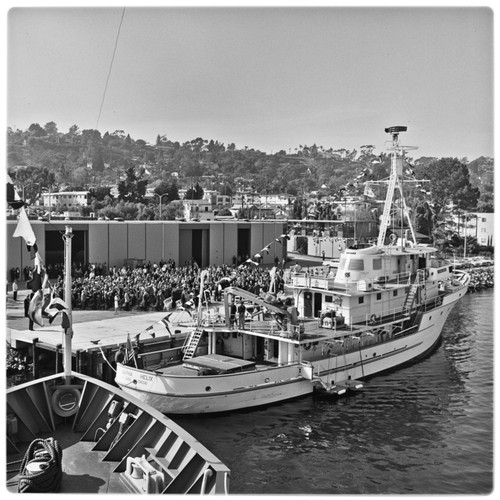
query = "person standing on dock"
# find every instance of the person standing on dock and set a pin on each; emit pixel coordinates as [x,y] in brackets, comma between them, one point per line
[27,305]
[15,288]
[117,302]
[241,315]
[232,313]
[27,302]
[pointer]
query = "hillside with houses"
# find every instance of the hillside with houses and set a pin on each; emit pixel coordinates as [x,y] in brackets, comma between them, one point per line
[84,173]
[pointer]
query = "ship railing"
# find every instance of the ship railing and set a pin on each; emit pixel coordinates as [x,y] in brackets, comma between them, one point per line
[433,303]
[311,281]
[326,281]
[353,342]
[375,283]
[386,316]
[285,330]
[213,318]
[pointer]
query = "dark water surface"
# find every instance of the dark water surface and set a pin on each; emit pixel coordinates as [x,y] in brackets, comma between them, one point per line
[423,429]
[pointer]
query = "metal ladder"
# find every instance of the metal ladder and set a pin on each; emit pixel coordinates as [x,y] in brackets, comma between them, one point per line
[410,297]
[192,343]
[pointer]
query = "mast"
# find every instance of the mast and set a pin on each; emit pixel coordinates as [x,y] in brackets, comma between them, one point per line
[67,333]
[395,182]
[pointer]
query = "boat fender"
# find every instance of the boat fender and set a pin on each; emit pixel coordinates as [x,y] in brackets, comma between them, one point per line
[307,346]
[373,319]
[65,402]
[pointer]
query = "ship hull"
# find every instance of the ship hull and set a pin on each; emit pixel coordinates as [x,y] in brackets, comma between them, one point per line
[181,394]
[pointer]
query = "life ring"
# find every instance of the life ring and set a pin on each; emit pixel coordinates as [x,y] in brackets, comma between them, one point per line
[65,402]
[439,301]
[307,346]
[373,319]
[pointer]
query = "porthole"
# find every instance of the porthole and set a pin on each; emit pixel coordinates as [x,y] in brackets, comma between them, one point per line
[208,388]
[266,381]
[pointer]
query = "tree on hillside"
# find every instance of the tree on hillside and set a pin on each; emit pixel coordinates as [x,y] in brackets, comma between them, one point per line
[100,193]
[168,191]
[51,128]
[194,193]
[449,184]
[73,131]
[35,130]
[133,188]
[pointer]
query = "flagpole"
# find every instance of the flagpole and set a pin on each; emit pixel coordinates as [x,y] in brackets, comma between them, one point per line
[67,332]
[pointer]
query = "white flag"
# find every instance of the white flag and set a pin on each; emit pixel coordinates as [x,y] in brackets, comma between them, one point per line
[24,228]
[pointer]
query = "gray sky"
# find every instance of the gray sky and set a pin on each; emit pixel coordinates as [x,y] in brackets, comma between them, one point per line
[266,78]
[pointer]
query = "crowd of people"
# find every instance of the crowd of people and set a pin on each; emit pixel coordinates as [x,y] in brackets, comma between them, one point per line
[162,286]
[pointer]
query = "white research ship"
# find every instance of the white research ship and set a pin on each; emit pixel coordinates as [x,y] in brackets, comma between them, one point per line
[385,306]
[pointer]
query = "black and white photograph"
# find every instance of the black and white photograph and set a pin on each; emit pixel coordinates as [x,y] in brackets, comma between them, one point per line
[249,249]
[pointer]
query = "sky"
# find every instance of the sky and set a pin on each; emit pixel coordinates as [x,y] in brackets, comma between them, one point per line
[268,78]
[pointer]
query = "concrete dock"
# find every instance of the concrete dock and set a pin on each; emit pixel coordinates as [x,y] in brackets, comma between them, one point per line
[96,334]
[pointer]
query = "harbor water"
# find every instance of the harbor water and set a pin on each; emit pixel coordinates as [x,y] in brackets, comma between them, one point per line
[426,428]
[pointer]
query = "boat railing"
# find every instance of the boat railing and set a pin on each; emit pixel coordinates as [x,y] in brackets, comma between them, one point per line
[270,328]
[431,304]
[382,317]
[353,342]
[323,279]
[213,318]
[378,282]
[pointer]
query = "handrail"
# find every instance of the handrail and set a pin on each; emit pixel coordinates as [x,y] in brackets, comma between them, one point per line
[207,473]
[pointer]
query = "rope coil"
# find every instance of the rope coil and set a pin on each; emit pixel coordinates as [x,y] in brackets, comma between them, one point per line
[41,467]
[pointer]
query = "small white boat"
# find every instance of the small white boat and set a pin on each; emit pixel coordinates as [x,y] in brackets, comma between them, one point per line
[384,306]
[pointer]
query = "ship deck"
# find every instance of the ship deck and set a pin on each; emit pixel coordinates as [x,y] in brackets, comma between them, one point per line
[83,469]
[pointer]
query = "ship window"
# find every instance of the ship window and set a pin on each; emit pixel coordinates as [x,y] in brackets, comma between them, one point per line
[379,296]
[356,265]
[395,293]
[328,298]
[377,264]
[361,300]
